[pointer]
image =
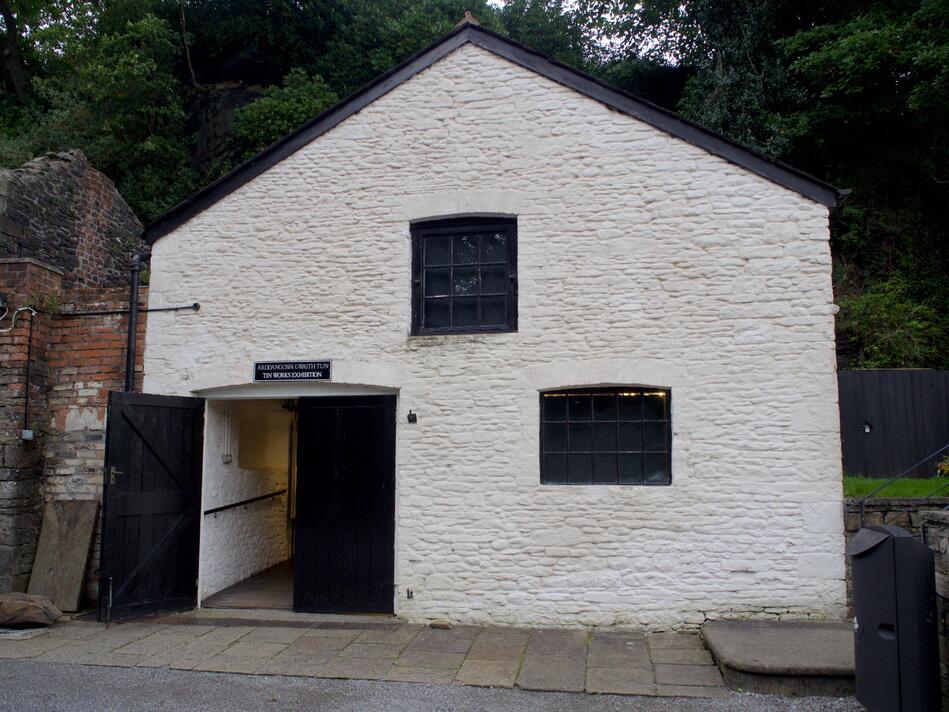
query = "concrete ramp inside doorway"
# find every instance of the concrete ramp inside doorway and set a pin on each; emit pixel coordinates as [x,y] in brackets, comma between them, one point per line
[272,589]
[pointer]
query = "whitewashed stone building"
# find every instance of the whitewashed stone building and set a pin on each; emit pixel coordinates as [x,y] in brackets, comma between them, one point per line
[558,357]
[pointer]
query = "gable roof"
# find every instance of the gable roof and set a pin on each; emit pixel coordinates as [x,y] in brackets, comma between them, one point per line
[662,119]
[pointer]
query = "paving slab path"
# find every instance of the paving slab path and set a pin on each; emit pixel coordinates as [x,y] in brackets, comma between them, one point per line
[598,661]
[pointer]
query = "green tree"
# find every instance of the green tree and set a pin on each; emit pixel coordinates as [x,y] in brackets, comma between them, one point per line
[874,95]
[120,102]
[378,34]
[281,110]
[737,75]
[550,27]
[892,327]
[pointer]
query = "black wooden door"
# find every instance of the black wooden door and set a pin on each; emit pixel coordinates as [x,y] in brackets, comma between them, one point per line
[344,557]
[151,504]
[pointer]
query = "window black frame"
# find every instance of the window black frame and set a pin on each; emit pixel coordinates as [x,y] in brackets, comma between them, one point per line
[592,452]
[456,226]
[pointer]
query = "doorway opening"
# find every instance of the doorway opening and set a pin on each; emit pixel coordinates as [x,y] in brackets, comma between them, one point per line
[246,558]
[299,505]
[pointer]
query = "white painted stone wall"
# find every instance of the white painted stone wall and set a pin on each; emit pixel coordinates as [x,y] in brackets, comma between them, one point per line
[239,542]
[642,260]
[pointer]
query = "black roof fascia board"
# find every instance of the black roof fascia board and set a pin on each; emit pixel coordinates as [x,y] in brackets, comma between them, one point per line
[660,118]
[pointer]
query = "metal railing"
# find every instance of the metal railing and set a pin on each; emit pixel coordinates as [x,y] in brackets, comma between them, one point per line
[863,500]
[242,503]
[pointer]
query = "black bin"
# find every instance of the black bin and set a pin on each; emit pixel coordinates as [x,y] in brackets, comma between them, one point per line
[894,601]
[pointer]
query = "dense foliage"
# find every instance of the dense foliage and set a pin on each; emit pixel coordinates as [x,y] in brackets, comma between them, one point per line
[164,96]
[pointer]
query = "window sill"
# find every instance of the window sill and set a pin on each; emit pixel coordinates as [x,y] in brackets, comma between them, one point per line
[605,484]
[458,332]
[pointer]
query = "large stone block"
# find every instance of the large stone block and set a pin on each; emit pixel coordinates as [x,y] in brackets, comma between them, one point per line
[63,551]
[18,610]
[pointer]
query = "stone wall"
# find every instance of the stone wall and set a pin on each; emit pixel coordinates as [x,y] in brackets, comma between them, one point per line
[61,211]
[891,510]
[66,240]
[642,260]
[935,531]
[886,510]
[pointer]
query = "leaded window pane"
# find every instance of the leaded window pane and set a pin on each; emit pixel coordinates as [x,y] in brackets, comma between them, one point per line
[579,469]
[494,247]
[580,435]
[555,437]
[438,282]
[464,250]
[578,407]
[438,251]
[604,437]
[630,469]
[464,312]
[630,436]
[555,467]
[604,407]
[555,407]
[604,469]
[437,312]
[494,279]
[493,311]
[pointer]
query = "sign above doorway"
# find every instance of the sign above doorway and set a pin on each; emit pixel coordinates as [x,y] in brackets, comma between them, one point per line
[292,370]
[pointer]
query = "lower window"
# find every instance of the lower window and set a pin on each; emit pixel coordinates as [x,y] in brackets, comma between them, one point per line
[606,436]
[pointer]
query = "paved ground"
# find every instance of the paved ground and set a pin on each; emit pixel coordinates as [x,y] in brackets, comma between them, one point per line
[40,687]
[671,664]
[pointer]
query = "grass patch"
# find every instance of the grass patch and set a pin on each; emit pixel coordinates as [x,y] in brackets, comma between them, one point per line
[862,486]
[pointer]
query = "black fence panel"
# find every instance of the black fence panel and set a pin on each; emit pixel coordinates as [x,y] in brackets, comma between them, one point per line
[892,419]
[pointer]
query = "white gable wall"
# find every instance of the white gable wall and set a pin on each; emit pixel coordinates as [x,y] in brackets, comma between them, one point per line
[642,260]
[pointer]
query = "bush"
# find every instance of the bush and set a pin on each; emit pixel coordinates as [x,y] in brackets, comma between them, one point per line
[281,110]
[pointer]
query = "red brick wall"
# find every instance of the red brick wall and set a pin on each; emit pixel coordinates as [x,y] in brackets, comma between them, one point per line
[87,361]
[77,359]
[24,282]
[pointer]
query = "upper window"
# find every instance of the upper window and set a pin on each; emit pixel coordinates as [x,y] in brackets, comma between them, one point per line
[464,276]
[605,436]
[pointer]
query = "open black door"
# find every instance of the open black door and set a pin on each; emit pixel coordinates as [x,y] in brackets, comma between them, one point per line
[151,504]
[344,549]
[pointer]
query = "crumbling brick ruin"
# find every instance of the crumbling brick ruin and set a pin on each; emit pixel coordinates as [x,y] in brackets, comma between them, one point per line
[66,240]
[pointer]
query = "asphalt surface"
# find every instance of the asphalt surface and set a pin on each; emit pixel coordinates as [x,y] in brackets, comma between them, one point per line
[26,685]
